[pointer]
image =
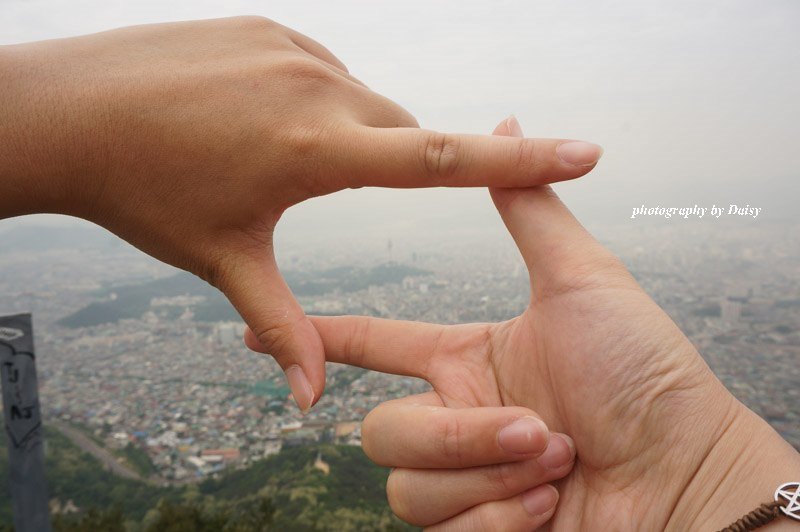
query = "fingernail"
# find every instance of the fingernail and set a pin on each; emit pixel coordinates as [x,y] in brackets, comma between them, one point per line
[526,435]
[302,391]
[540,499]
[514,129]
[560,452]
[579,153]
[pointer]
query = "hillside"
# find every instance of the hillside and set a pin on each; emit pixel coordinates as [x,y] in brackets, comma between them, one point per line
[353,493]
[131,301]
[284,490]
[75,475]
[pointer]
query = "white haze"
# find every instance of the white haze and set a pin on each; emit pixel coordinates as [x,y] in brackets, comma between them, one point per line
[694,102]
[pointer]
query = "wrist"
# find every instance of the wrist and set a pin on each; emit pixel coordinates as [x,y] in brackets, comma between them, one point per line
[45,159]
[741,471]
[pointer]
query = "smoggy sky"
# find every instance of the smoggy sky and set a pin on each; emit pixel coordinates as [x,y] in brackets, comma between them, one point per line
[694,102]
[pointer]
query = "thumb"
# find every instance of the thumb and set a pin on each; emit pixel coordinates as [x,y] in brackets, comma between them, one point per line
[277,325]
[556,247]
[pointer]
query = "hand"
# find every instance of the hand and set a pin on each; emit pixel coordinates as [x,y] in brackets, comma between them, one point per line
[467,468]
[189,140]
[660,443]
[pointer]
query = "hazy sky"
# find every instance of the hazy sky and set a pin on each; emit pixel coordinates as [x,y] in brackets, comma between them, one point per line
[694,102]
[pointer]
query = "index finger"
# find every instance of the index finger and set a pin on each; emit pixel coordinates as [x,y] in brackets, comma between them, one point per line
[391,346]
[413,158]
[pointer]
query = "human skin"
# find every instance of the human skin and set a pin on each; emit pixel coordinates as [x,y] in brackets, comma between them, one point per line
[661,444]
[189,140]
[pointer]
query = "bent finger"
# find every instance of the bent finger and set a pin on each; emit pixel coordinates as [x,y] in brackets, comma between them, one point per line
[399,434]
[426,496]
[524,512]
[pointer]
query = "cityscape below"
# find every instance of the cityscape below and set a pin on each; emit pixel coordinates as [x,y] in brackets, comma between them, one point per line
[143,366]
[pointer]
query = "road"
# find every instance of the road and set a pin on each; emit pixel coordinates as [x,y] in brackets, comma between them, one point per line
[87,444]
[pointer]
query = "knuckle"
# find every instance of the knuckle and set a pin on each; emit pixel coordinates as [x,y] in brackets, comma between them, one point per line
[440,154]
[254,22]
[356,343]
[449,436]
[276,337]
[502,477]
[308,75]
[305,141]
[525,156]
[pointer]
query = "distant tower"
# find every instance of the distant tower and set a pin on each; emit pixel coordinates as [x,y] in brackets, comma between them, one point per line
[389,249]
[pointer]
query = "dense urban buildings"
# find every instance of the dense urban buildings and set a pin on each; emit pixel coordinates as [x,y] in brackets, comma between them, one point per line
[174,383]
